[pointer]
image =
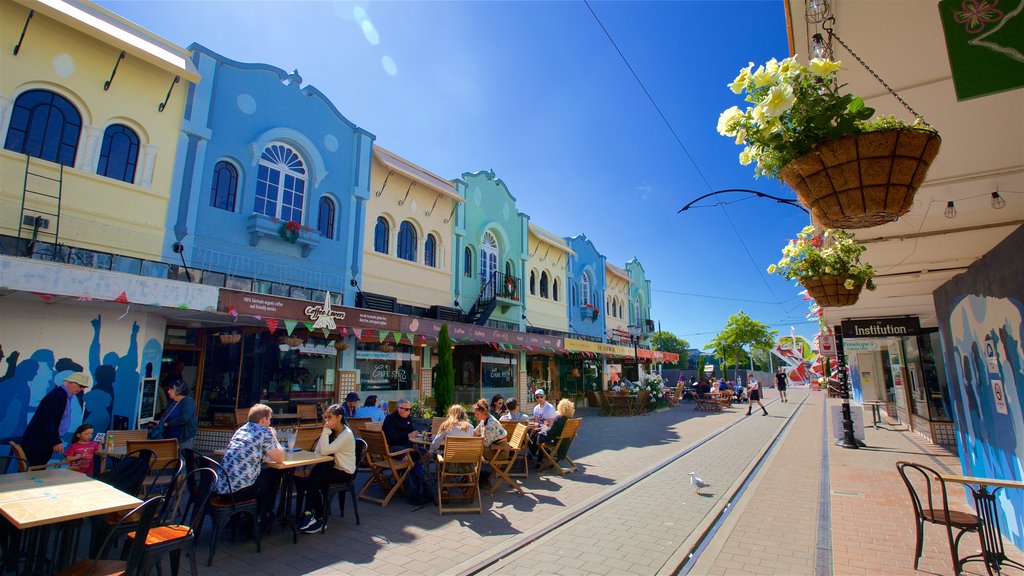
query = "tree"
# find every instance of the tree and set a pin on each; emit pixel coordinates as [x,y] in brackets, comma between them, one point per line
[669,342]
[444,373]
[741,330]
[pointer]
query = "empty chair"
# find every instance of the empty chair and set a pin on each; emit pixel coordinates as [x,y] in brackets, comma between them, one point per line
[307,413]
[388,469]
[19,454]
[925,485]
[143,517]
[306,437]
[241,416]
[505,455]
[356,424]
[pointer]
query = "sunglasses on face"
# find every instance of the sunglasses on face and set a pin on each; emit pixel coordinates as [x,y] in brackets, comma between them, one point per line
[405,408]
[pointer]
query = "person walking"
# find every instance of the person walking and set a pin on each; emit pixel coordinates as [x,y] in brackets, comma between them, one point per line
[754,395]
[780,383]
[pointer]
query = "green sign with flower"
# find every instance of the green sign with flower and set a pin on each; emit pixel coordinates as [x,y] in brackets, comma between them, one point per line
[985,43]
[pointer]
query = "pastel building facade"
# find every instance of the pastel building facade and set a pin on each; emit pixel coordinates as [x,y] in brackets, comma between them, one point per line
[90,109]
[640,300]
[587,283]
[547,266]
[616,303]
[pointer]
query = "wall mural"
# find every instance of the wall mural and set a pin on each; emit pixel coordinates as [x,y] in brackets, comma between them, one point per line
[799,358]
[987,387]
[28,376]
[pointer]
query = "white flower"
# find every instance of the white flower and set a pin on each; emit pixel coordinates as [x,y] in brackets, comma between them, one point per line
[741,81]
[746,157]
[727,120]
[762,77]
[823,66]
[779,100]
[848,284]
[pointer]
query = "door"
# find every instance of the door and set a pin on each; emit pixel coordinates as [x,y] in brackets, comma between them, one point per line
[488,258]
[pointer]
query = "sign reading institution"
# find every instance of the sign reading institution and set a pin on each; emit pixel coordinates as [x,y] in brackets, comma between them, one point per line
[882,327]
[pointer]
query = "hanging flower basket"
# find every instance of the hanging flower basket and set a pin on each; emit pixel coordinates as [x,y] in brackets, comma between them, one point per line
[832,291]
[863,180]
[289,231]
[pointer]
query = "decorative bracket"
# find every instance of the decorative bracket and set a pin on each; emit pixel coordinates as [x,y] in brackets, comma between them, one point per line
[385,185]
[163,104]
[17,47]
[449,218]
[431,211]
[407,190]
[106,85]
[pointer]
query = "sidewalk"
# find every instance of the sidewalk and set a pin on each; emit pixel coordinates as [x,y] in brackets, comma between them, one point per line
[872,521]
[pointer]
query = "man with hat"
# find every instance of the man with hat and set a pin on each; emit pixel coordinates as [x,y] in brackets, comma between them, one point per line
[544,413]
[351,405]
[44,434]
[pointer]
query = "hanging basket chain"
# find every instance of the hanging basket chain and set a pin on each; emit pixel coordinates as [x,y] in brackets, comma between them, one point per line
[831,34]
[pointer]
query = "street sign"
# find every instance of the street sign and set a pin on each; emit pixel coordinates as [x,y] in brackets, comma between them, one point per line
[709,368]
[827,345]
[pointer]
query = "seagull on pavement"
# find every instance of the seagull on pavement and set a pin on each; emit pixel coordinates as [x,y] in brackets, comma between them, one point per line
[697,482]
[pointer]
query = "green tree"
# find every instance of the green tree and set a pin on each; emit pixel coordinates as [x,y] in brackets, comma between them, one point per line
[669,342]
[444,373]
[741,331]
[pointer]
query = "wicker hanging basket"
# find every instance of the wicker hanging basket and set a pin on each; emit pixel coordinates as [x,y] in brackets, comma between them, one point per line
[829,292]
[863,180]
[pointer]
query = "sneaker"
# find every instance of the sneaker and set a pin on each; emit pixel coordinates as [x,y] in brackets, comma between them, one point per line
[309,523]
[313,528]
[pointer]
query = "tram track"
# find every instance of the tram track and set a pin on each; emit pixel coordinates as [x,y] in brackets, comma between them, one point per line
[719,513]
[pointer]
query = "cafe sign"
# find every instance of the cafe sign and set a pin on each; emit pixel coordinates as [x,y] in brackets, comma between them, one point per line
[323,315]
[881,327]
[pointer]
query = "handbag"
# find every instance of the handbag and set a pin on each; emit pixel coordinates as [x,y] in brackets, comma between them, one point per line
[156,432]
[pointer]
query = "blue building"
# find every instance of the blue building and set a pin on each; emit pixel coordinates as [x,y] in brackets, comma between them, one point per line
[586,282]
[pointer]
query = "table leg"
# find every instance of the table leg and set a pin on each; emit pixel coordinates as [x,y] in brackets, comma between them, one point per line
[992,552]
[284,508]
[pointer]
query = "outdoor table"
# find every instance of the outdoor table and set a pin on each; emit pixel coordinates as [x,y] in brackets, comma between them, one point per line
[423,439]
[115,453]
[622,402]
[876,413]
[992,553]
[285,416]
[57,497]
[293,461]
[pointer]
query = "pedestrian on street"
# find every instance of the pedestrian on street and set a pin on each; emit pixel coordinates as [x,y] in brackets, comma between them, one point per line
[780,383]
[754,395]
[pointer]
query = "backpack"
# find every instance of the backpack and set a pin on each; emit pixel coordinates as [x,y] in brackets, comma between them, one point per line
[417,489]
[129,473]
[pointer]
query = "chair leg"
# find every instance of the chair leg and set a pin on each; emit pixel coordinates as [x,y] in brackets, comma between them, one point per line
[213,539]
[175,560]
[258,530]
[355,503]
[920,543]
[192,560]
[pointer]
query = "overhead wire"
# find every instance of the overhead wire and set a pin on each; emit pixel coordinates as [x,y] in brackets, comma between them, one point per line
[686,152]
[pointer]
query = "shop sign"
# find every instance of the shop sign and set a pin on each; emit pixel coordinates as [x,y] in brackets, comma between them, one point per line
[881,327]
[827,345]
[597,347]
[325,314]
[860,346]
[481,334]
[709,368]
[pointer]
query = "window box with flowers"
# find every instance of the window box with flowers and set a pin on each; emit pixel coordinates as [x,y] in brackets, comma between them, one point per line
[261,226]
[827,265]
[849,171]
[589,311]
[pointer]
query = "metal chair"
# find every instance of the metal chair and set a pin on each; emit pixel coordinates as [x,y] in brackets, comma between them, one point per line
[144,515]
[925,510]
[221,509]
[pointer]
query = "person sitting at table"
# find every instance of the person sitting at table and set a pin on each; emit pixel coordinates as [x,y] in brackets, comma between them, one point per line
[740,391]
[565,410]
[498,406]
[351,404]
[704,387]
[487,425]
[398,428]
[513,413]
[456,423]
[543,412]
[336,440]
[254,442]
[371,410]
[82,449]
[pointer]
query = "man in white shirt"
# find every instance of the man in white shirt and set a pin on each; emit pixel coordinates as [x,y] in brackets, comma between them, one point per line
[370,410]
[543,412]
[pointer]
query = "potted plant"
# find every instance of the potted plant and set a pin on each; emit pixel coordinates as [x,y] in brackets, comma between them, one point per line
[848,170]
[827,265]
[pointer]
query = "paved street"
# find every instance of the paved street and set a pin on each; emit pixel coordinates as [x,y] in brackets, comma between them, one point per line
[636,513]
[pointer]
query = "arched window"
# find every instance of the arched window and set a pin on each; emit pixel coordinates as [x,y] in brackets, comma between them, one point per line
[544,284]
[381,235]
[45,125]
[407,242]
[430,251]
[325,220]
[281,184]
[533,282]
[554,290]
[636,312]
[572,300]
[585,288]
[488,257]
[467,262]
[119,154]
[225,186]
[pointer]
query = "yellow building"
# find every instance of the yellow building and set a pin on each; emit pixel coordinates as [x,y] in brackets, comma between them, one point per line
[616,303]
[408,238]
[90,109]
[545,300]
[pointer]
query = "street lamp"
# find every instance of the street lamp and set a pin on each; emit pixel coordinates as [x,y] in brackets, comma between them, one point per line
[634,339]
[786,201]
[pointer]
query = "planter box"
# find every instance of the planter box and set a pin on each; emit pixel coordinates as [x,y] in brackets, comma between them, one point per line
[260,227]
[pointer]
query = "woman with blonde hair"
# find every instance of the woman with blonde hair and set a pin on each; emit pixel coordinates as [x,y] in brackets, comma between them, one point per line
[455,424]
[564,411]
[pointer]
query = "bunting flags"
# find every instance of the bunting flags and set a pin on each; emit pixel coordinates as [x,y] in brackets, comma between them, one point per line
[44,297]
[84,298]
[272,324]
[233,311]
[122,298]
[289,325]
[308,325]
[382,336]
[358,332]
[326,331]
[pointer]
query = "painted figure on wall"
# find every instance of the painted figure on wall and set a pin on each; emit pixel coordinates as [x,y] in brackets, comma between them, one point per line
[987,390]
[115,380]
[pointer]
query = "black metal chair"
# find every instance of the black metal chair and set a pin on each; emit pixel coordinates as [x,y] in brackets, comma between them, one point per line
[175,539]
[929,482]
[143,516]
[117,524]
[223,508]
[341,488]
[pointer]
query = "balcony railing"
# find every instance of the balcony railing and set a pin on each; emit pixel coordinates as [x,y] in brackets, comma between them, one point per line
[503,287]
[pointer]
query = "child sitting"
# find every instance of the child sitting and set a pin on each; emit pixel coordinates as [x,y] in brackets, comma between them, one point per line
[80,453]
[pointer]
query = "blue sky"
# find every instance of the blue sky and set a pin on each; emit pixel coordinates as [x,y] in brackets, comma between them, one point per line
[538,93]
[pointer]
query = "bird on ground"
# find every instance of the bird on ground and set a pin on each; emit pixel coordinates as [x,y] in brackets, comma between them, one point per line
[697,482]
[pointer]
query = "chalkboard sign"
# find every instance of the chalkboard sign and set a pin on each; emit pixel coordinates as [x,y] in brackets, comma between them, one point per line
[148,409]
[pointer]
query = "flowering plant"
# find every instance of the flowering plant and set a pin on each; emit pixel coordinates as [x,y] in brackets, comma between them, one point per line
[289,231]
[652,383]
[592,309]
[794,108]
[830,253]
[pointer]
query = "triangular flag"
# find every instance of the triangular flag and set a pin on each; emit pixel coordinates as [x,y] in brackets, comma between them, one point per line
[382,335]
[45,297]
[358,332]
[343,330]
[258,317]
[183,307]
[290,325]
[308,325]
[327,332]
[412,338]
[272,323]
[122,298]
[84,298]
[233,312]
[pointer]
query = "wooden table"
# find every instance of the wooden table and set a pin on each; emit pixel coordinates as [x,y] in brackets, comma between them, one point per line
[622,402]
[992,553]
[61,497]
[293,461]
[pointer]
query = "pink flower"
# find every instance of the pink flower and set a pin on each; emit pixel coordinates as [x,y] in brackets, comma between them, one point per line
[977,13]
